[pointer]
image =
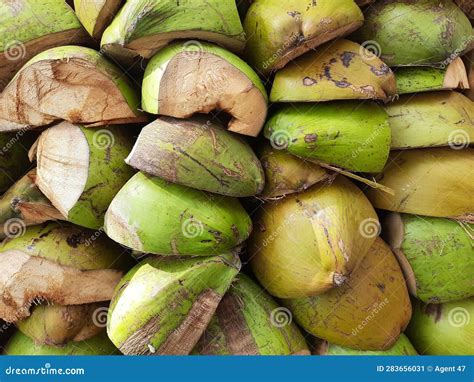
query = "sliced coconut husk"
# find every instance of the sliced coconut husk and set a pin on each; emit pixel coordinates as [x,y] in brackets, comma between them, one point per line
[135,32]
[209,78]
[96,15]
[432,182]
[431,119]
[337,70]
[467,6]
[416,79]
[279,32]
[92,91]
[30,27]
[470,65]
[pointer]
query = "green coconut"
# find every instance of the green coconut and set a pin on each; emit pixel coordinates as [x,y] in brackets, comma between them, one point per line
[308,243]
[200,154]
[417,79]
[403,347]
[337,70]
[92,90]
[143,27]
[96,15]
[29,27]
[13,157]
[431,182]
[431,119]
[249,322]
[279,32]
[21,344]
[436,255]
[287,174]
[413,33]
[178,297]
[24,202]
[368,312]
[443,329]
[82,267]
[210,78]
[81,170]
[187,222]
[346,134]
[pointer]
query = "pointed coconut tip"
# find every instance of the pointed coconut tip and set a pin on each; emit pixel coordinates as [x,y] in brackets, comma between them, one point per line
[95,16]
[456,75]
[62,165]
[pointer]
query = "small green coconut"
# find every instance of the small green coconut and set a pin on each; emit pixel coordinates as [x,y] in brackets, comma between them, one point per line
[186,222]
[29,27]
[443,329]
[277,32]
[81,170]
[347,134]
[200,154]
[209,78]
[96,15]
[21,344]
[307,243]
[92,90]
[249,322]
[178,297]
[368,312]
[340,69]
[436,255]
[413,33]
[143,27]
[431,119]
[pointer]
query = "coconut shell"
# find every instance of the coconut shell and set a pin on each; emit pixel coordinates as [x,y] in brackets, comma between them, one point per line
[249,322]
[178,299]
[187,222]
[431,182]
[279,32]
[340,69]
[443,329]
[308,243]
[413,33]
[200,154]
[436,255]
[368,312]
[346,134]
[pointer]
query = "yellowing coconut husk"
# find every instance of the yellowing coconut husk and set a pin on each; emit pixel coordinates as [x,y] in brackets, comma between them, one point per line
[432,182]
[96,15]
[308,243]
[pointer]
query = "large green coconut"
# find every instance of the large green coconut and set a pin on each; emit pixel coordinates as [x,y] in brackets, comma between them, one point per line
[200,154]
[308,243]
[249,322]
[154,216]
[177,299]
[346,134]
[443,329]
[436,255]
[422,32]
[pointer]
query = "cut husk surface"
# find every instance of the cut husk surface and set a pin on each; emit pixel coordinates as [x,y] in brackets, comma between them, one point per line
[346,134]
[431,119]
[96,15]
[209,78]
[29,27]
[178,298]
[368,312]
[249,322]
[436,255]
[308,243]
[198,153]
[81,170]
[93,91]
[187,222]
[431,182]
[279,32]
[337,70]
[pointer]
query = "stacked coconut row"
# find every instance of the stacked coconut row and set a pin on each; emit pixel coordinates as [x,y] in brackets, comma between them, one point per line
[168,189]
